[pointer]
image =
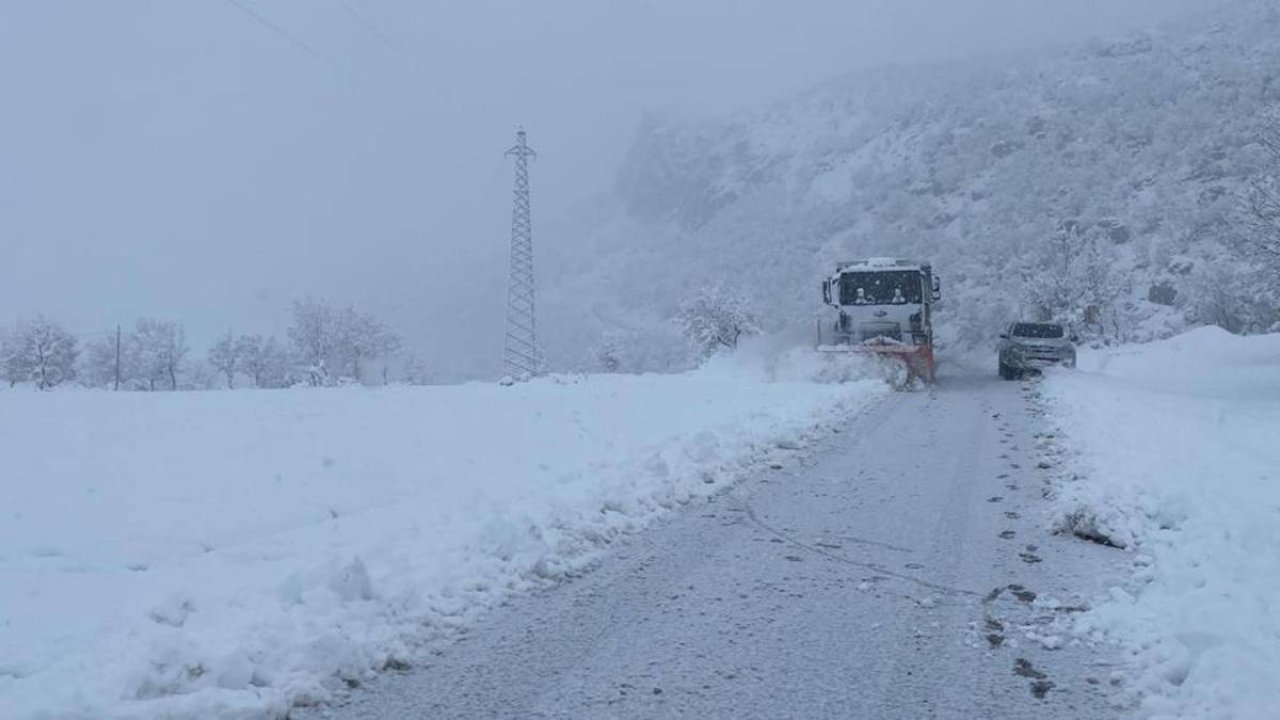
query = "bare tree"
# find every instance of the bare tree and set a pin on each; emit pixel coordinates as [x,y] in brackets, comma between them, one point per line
[716,318]
[224,356]
[39,351]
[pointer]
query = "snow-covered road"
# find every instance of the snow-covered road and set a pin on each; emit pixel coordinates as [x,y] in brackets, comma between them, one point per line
[900,571]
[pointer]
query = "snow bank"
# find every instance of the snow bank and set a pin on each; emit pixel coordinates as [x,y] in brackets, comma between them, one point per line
[1177,457]
[231,554]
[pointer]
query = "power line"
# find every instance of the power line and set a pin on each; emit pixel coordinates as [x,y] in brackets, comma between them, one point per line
[278,30]
[369,26]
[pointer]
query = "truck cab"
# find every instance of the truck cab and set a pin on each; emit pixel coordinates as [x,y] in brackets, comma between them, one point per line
[882,301]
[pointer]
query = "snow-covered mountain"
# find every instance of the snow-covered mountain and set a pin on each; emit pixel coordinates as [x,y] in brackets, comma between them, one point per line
[1136,149]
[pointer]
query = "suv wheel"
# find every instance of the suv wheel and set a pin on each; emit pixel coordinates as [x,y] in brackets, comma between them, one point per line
[1006,372]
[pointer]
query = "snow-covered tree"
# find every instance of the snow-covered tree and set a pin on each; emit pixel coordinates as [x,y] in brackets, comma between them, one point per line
[158,347]
[13,361]
[224,356]
[334,345]
[1209,299]
[415,371]
[609,352]
[360,338]
[313,335]
[265,361]
[201,375]
[38,351]
[1071,279]
[716,318]
[1261,212]
[1263,215]
[98,362]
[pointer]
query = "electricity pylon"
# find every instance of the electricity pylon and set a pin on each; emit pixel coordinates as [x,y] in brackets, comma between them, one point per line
[521,359]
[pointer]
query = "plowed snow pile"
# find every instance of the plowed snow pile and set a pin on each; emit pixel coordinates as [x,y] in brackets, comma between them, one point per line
[1178,459]
[206,555]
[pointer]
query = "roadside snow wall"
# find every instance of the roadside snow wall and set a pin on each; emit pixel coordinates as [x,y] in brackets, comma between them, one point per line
[1175,450]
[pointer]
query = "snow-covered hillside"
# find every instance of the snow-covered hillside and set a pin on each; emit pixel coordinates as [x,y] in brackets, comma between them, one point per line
[1137,149]
[1175,454]
[186,555]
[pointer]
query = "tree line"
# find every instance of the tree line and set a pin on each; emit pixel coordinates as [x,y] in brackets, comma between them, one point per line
[325,345]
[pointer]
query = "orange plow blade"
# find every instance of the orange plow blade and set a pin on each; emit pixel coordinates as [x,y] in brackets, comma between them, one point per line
[918,359]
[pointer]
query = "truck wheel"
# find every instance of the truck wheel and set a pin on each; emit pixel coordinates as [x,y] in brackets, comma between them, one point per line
[1006,372]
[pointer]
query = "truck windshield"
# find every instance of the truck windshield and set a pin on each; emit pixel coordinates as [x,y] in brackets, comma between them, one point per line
[1048,331]
[881,288]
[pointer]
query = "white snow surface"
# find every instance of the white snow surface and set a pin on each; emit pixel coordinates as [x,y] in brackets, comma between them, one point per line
[227,555]
[1177,457]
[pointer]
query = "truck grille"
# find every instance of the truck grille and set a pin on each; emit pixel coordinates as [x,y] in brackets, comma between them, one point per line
[882,328]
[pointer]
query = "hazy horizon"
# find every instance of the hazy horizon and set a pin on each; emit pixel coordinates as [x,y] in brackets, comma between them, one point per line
[209,162]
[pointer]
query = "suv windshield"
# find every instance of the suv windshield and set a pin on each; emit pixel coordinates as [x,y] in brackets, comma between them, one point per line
[1048,331]
[881,288]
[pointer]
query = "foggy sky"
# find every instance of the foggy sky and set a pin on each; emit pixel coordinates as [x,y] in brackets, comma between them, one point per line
[182,159]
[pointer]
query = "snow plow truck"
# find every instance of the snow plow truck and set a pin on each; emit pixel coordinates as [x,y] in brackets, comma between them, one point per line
[883,306]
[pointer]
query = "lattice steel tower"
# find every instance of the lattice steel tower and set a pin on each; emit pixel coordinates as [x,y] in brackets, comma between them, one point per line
[521,359]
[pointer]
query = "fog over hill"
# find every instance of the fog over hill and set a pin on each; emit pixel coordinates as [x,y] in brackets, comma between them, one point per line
[1125,160]
[209,163]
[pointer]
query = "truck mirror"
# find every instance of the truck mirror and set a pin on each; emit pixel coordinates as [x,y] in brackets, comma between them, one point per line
[1004,336]
[826,291]
[937,288]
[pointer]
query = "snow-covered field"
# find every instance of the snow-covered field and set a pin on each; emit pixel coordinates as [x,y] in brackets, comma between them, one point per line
[197,555]
[1177,445]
